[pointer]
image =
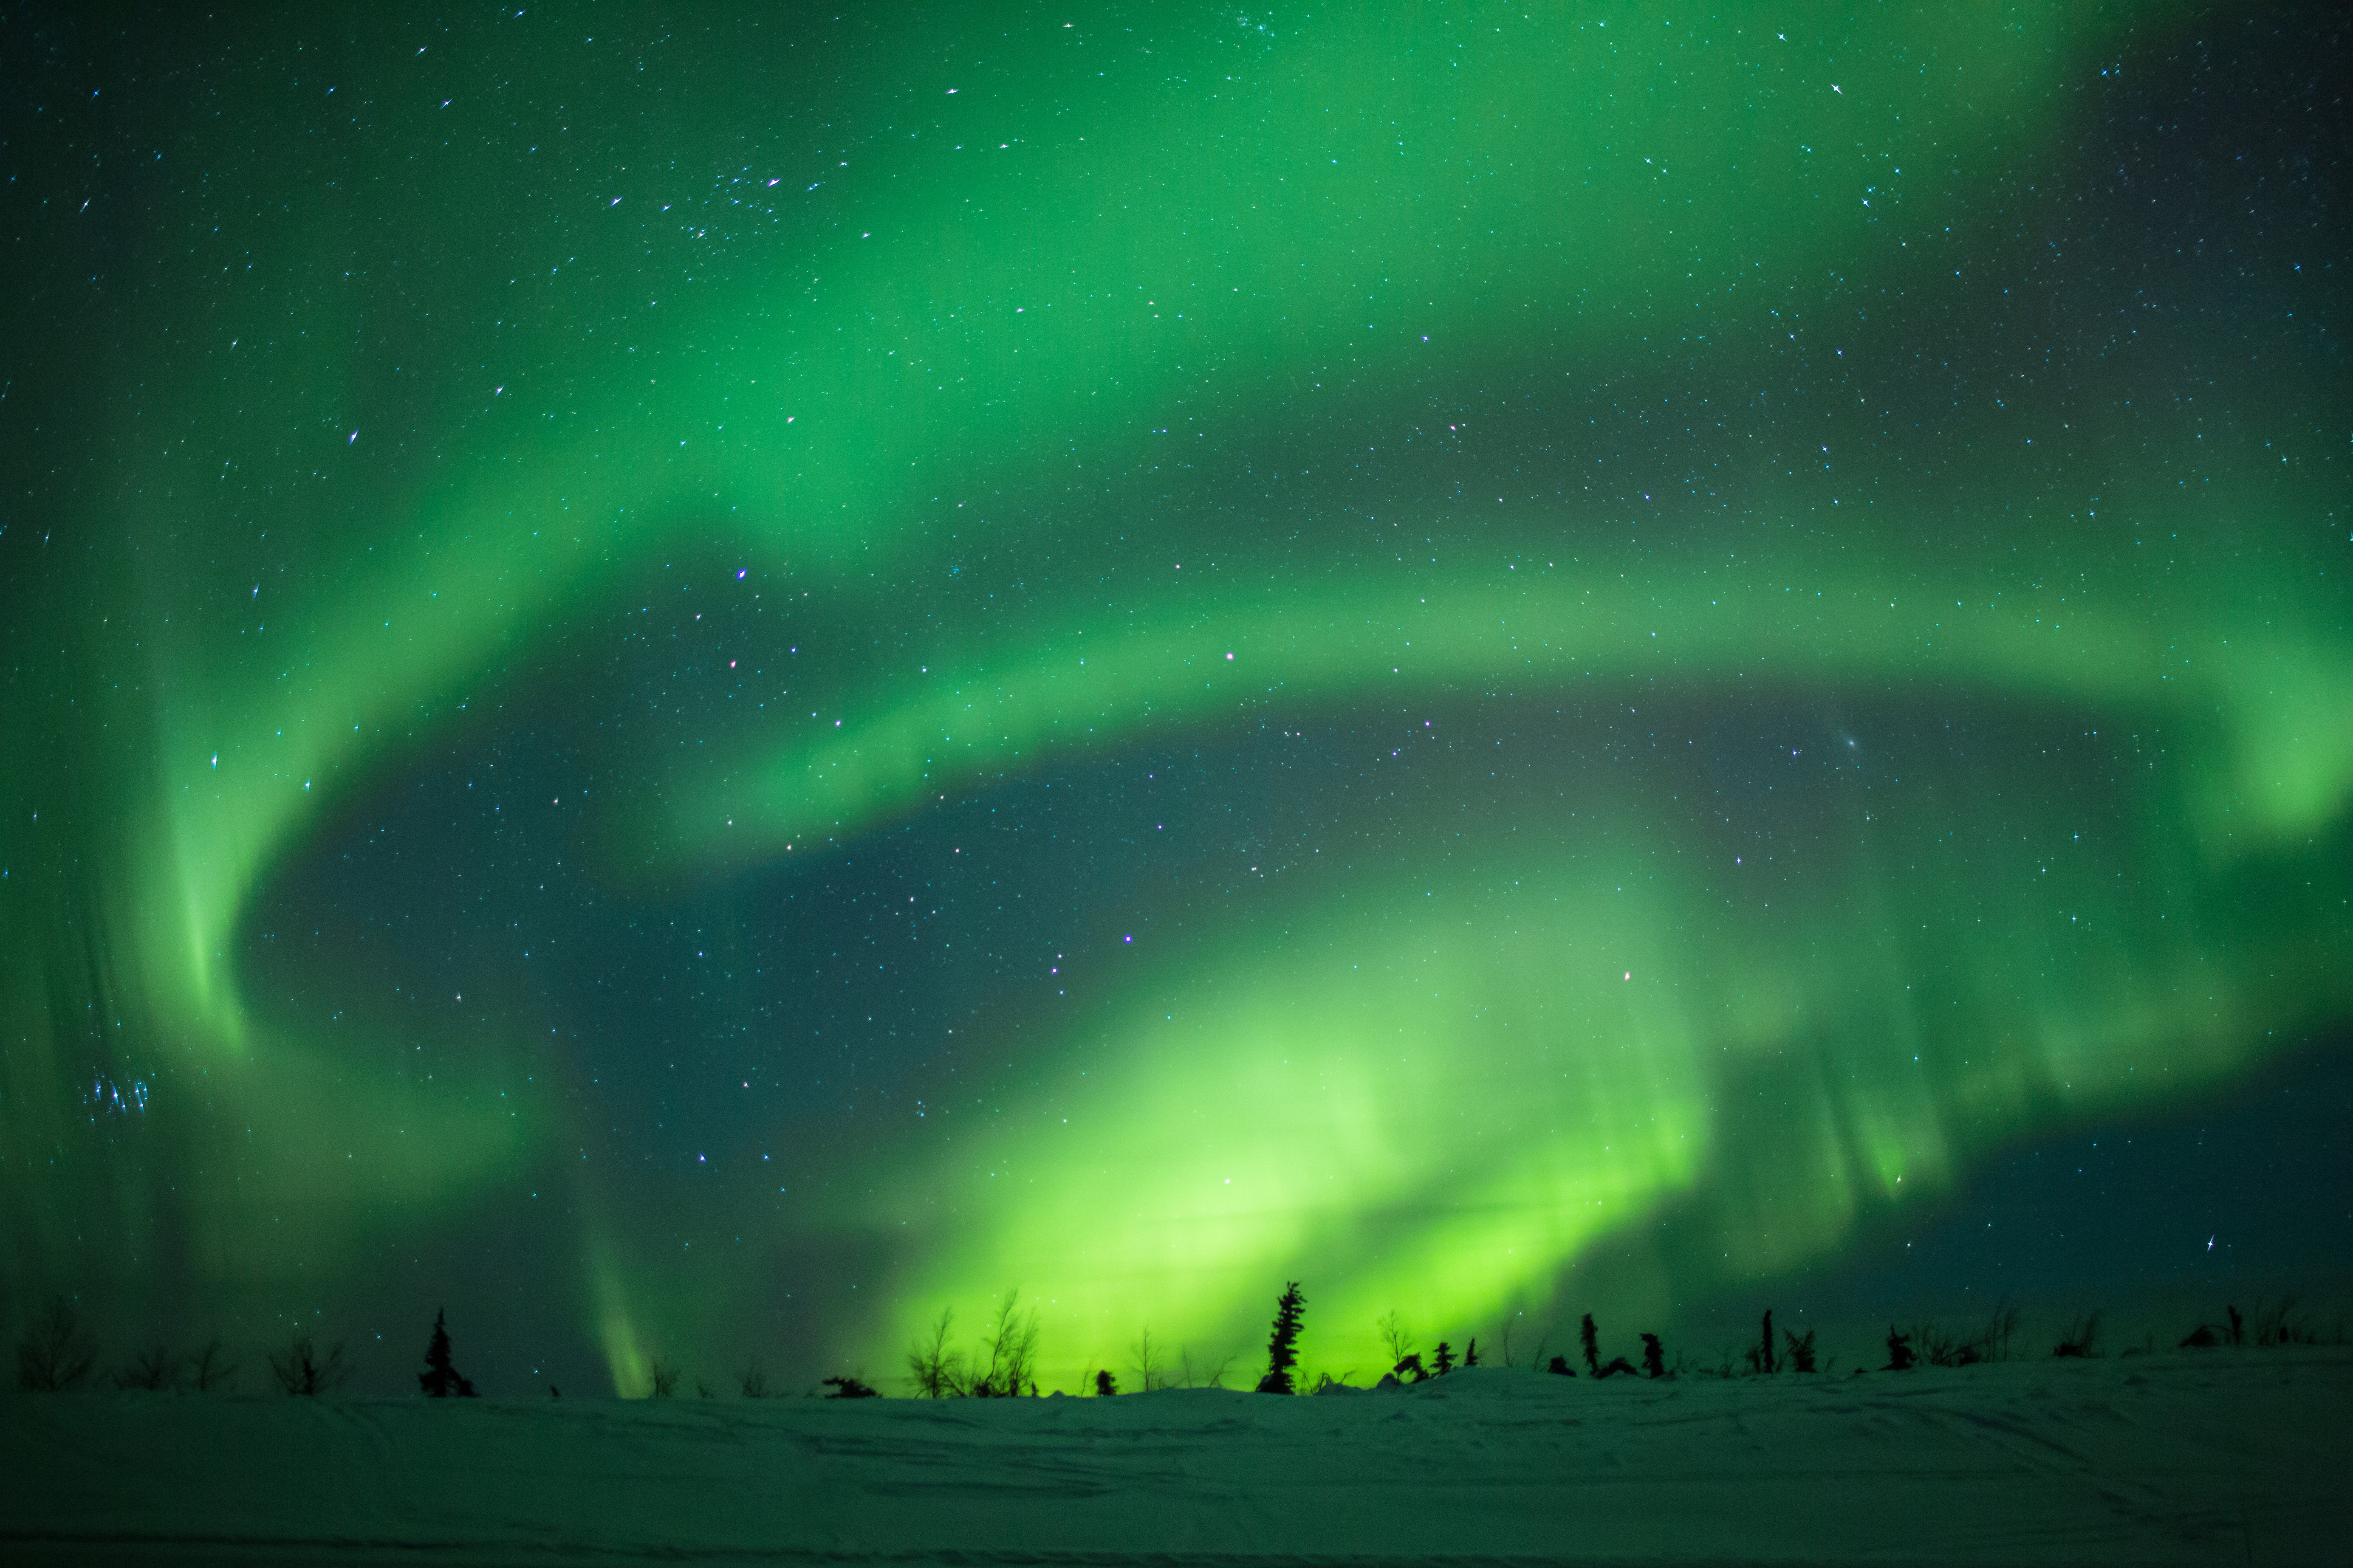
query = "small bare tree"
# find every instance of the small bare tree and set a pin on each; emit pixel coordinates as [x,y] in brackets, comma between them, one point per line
[210,1367]
[1395,1337]
[1012,1346]
[151,1369]
[1208,1374]
[303,1372]
[664,1374]
[1147,1359]
[56,1353]
[936,1366]
[754,1380]
[1994,1341]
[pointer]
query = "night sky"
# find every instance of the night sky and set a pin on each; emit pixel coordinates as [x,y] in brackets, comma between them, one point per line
[697,685]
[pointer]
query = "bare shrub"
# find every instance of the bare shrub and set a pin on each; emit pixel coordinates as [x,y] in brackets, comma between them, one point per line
[1395,1337]
[754,1380]
[664,1374]
[155,1369]
[1011,1344]
[1994,1341]
[2279,1324]
[304,1372]
[57,1352]
[2081,1338]
[936,1366]
[1208,1374]
[1145,1358]
[210,1368]
[1940,1347]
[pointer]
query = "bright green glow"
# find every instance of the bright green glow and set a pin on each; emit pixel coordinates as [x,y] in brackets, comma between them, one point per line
[1342,218]
[2283,748]
[1430,1103]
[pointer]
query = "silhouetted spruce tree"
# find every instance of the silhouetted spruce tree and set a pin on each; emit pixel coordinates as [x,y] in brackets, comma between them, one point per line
[439,1380]
[1654,1357]
[1105,1384]
[1764,1347]
[1443,1358]
[1558,1366]
[1900,1355]
[1590,1338]
[1471,1353]
[1801,1351]
[1282,1345]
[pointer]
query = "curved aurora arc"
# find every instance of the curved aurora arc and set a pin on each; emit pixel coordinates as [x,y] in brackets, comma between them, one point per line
[1518,1021]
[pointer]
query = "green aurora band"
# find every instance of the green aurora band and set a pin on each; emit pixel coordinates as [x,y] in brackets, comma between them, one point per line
[1189,384]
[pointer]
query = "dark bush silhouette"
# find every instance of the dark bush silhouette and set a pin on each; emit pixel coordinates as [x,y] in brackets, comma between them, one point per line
[1943,1349]
[153,1369]
[1105,1384]
[2278,1325]
[754,1380]
[1765,1349]
[56,1353]
[439,1380]
[1558,1366]
[2238,1326]
[2081,1339]
[663,1375]
[849,1388]
[1591,1338]
[1443,1358]
[1801,1351]
[1899,1351]
[2201,1338]
[1411,1368]
[1619,1367]
[1654,1357]
[304,1372]
[210,1366]
[1282,1343]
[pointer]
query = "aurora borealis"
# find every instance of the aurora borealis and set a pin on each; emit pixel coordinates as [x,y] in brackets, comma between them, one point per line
[724,680]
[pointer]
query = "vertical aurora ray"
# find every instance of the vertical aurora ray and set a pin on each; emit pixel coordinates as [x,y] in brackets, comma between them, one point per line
[802,454]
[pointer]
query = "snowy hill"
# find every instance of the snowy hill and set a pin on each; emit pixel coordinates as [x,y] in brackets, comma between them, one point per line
[2177,1458]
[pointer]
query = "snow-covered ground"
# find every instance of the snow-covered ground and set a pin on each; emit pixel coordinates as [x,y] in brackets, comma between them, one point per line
[2216,1456]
